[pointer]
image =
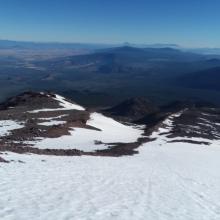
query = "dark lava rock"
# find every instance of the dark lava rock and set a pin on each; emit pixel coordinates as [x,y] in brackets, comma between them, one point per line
[132,109]
[31,100]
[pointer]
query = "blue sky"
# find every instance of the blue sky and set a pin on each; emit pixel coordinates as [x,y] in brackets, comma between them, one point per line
[193,23]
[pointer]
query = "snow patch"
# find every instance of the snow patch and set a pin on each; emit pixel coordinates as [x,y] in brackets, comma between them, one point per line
[51,123]
[67,105]
[110,131]
[51,118]
[8,125]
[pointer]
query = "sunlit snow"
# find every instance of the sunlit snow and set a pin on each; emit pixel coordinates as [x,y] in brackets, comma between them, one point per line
[51,123]
[174,181]
[110,131]
[55,117]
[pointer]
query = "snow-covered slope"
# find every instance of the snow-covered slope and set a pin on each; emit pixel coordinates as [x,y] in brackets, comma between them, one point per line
[107,131]
[173,181]
[175,174]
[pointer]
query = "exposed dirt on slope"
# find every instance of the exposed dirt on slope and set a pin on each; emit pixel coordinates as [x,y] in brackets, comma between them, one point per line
[194,122]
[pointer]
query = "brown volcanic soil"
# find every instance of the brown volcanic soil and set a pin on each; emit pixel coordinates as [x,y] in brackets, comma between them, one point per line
[32,129]
[31,100]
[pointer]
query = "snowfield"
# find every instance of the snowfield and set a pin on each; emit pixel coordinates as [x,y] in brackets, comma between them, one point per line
[110,131]
[174,181]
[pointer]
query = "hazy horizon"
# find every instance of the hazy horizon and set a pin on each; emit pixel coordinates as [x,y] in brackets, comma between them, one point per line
[189,24]
[119,44]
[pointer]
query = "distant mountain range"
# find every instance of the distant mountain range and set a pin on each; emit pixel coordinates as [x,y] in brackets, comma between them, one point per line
[10,44]
[105,76]
[123,59]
